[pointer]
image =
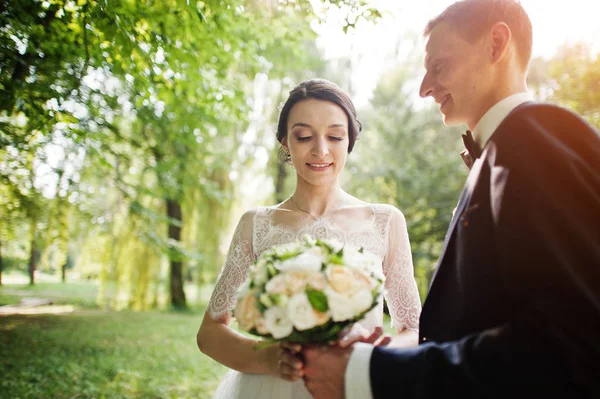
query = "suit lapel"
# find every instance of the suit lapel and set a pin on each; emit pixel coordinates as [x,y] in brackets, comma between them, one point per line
[465,197]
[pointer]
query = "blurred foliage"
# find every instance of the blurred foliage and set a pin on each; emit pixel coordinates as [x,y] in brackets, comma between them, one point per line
[408,158]
[128,127]
[120,128]
[570,78]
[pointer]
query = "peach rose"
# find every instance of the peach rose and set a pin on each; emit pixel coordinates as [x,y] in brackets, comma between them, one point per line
[341,279]
[246,311]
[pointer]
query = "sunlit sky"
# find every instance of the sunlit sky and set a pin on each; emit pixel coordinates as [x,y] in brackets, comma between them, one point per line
[555,22]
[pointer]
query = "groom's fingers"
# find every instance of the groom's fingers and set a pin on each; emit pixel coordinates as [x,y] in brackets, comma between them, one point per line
[290,373]
[291,360]
[290,367]
[292,347]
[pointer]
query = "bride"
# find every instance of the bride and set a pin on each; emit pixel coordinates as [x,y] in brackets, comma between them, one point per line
[317,130]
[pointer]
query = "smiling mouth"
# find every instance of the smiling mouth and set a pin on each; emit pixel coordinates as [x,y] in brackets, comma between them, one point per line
[319,166]
[444,100]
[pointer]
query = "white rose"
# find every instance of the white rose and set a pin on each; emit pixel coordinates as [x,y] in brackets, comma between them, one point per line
[362,261]
[362,300]
[317,281]
[277,322]
[363,280]
[301,312]
[277,285]
[259,272]
[261,326]
[344,308]
[295,282]
[335,244]
[305,262]
[339,306]
[285,249]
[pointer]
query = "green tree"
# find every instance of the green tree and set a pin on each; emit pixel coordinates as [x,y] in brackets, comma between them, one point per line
[408,158]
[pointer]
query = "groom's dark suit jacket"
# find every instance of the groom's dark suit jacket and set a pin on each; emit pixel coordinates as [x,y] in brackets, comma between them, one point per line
[514,307]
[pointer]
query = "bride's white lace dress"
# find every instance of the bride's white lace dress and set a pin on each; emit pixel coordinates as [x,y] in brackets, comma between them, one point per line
[380,229]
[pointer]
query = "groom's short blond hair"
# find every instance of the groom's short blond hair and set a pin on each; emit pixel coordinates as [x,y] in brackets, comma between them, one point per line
[474,18]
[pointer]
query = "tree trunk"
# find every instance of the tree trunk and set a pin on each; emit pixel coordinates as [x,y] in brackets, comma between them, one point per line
[280,181]
[1,265]
[176,266]
[63,273]
[32,254]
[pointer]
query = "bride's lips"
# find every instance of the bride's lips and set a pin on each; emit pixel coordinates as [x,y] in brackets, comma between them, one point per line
[319,167]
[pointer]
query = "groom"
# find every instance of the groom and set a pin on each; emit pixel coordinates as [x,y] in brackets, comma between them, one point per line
[514,307]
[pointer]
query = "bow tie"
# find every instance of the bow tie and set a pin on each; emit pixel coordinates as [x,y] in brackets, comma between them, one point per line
[473,150]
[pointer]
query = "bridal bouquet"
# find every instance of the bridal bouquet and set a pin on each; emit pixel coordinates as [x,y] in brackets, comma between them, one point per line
[308,291]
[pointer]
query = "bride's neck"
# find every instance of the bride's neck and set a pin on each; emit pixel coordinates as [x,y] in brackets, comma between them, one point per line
[318,200]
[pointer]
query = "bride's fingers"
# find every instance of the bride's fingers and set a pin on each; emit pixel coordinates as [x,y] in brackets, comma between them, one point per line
[348,340]
[383,341]
[375,335]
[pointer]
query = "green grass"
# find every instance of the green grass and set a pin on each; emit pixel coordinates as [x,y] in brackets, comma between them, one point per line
[95,353]
[72,293]
[101,354]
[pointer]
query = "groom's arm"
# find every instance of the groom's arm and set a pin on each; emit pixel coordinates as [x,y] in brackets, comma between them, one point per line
[546,210]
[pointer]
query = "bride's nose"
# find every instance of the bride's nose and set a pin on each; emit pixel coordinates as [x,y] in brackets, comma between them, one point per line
[320,149]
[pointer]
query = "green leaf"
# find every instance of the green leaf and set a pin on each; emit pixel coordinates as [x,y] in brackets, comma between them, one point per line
[271,270]
[336,260]
[317,299]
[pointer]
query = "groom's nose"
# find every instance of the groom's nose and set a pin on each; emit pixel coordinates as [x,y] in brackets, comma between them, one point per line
[426,86]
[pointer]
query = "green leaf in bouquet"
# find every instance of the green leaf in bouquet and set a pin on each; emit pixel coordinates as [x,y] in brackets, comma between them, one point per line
[336,259]
[361,250]
[325,245]
[376,292]
[259,304]
[271,270]
[340,253]
[265,299]
[317,299]
[321,334]
[279,300]
[289,255]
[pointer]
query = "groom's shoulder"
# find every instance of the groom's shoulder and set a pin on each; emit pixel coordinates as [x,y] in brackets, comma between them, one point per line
[537,126]
[544,117]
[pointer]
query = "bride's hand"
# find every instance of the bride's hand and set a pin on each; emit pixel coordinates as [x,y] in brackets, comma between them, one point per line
[285,362]
[360,334]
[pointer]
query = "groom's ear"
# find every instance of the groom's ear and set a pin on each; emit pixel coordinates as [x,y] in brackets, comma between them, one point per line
[500,37]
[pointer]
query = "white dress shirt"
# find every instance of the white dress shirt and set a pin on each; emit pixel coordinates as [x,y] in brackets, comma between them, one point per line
[357,379]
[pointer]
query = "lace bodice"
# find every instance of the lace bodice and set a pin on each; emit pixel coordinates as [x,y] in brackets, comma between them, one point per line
[383,232]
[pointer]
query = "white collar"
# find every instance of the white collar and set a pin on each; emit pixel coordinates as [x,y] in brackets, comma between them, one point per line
[488,124]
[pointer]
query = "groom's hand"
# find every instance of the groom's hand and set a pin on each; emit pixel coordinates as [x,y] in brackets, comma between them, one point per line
[324,370]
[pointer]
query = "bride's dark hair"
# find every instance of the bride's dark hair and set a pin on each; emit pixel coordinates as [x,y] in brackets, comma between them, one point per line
[320,89]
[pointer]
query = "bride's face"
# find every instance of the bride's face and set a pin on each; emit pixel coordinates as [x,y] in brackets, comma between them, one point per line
[317,140]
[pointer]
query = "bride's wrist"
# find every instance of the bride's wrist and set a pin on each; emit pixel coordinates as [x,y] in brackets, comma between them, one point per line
[269,357]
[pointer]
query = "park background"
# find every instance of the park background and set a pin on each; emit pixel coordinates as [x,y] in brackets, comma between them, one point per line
[134,134]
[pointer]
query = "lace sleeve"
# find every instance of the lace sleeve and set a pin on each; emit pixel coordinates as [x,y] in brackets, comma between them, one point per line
[239,258]
[402,295]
